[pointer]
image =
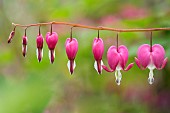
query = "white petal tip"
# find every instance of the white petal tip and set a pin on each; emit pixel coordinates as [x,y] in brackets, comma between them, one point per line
[150,78]
[74,65]
[151,81]
[95,66]
[118,81]
[41,55]
[118,76]
[68,65]
[51,56]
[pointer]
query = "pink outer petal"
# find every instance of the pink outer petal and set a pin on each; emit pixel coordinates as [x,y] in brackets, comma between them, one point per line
[99,66]
[11,36]
[129,66]
[40,41]
[163,64]
[113,57]
[122,61]
[158,55]
[24,40]
[138,64]
[144,55]
[71,48]
[107,69]
[51,40]
[98,48]
[123,51]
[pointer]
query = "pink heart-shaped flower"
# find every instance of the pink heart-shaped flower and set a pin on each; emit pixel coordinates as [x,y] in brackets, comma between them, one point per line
[98,50]
[71,46]
[151,58]
[39,50]
[51,40]
[117,59]
[24,45]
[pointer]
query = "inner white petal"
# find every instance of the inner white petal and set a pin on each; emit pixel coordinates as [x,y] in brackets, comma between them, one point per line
[74,65]
[26,49]
[118,67]
[150,78]
[95,66]
[151,67]
[102,64]
[49,54]
[54,53]
[68,65]
[42,53]
[118,76]
[37,53]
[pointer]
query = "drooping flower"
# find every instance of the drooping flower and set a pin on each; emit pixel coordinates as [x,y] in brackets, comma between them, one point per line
[71,46]
[24,45]
[98,50]
[39,50]
[51,40]
[151,58]
[11,36]
[117,59]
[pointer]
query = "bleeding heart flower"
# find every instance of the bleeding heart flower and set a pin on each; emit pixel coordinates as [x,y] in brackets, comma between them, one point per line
[24,45]
[39,50]
[117,59]
[71,46]
[151,58]
[51,40]
[11,36]
[98,50]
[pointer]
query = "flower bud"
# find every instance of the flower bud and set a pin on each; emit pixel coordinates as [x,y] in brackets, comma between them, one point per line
[71,46]
[39,50]
[51,40]
[98,50]
[24,45]
[11,36]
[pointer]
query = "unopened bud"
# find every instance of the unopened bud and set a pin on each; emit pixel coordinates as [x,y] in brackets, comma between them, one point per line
[11,36]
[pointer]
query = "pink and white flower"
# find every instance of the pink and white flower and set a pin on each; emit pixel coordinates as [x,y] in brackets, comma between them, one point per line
[71,46]
[117,59]
[24,45]
[51,40]
[39,50]
[98,50]
[151,58]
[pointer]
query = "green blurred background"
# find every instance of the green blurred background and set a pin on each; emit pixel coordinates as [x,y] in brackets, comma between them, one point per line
[27,86]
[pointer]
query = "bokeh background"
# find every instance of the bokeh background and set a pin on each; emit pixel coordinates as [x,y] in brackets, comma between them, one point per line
[27,86]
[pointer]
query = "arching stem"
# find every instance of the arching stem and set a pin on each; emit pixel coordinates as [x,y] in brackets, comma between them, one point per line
[98,34]
[51,28]
[151,42]
[117,41]
[71,33]
[14,28]
[39,30]
[25,31]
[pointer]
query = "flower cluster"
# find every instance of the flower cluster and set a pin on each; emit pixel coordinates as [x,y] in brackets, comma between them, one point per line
[148,56]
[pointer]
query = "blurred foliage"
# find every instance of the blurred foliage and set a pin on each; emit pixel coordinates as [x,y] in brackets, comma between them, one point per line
[27,86]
